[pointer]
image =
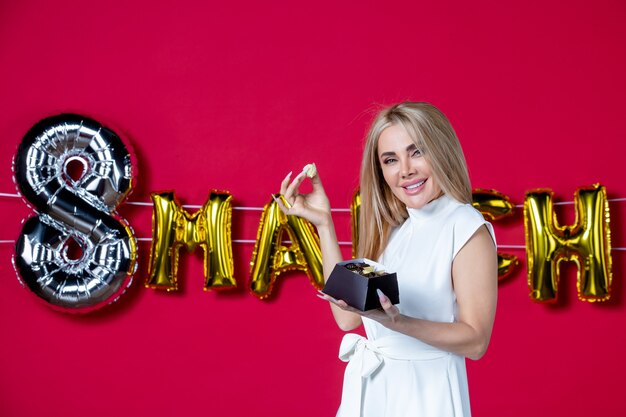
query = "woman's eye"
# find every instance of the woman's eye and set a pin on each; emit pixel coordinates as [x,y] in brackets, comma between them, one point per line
[389,161]
[416,152]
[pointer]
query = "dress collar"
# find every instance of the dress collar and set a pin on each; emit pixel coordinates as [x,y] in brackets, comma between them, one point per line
[432,209]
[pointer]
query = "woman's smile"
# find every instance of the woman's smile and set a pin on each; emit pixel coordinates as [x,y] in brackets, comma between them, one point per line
[415,187]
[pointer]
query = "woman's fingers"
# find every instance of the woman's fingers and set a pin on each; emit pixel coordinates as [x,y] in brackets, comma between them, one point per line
[384,300]
[388,312]
[282,206]
[312,206]
[291,192]
[285,183]
[389,309]
[339,303]
[316,181]
[326,297]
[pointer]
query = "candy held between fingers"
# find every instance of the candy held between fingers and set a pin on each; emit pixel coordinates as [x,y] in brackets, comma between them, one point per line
[310,170]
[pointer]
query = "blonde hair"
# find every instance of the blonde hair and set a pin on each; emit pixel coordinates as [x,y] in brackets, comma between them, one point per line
[433,134]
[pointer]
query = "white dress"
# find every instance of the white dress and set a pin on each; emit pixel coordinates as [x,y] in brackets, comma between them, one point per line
[393,375]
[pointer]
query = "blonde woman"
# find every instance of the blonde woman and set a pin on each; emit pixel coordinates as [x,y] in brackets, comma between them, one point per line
[416,220]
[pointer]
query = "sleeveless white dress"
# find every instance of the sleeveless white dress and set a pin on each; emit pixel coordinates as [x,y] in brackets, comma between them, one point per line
[393,375]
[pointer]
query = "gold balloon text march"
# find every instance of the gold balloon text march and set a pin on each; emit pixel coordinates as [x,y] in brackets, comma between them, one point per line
[586,242]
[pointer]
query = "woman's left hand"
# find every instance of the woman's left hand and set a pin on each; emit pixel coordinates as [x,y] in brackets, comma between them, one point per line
[389,313]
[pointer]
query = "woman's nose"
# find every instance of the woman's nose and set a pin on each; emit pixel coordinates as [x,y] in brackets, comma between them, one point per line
[407,169]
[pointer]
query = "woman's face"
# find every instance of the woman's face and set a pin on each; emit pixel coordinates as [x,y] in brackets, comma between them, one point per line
[405,169]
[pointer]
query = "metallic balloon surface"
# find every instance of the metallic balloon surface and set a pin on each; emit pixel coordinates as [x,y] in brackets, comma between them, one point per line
[355,212]
[76,253]
[507,264]
[587,243]
[271,257]
[209,228]
[495,206]
[492,204]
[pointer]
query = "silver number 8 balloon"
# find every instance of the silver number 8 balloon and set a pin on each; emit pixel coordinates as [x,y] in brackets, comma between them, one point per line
[76,253]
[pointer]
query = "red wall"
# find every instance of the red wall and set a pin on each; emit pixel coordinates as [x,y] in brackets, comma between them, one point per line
[233,95]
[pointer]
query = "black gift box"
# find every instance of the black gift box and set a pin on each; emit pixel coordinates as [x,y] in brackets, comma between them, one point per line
[359,291]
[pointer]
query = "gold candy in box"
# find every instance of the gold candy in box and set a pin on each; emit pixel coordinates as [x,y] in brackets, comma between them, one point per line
[356,281]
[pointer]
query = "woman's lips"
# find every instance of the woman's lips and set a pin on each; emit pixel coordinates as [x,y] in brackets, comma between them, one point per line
[415,187]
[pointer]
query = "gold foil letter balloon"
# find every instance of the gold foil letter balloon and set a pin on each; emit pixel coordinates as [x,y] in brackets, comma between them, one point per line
[355,212]
[209,228]
[587,243]
[270,257]
[495,206]
[492,204]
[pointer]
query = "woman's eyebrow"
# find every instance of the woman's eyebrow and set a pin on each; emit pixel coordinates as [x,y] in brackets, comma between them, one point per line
[409,148]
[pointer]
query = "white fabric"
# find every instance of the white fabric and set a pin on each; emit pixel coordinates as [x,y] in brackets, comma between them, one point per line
[393,375]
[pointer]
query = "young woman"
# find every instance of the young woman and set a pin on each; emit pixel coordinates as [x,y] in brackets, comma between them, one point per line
[417,220]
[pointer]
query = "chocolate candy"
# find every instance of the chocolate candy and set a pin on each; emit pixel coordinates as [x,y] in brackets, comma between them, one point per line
[363,269]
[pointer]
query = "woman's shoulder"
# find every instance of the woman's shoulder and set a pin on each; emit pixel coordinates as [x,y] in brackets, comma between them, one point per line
[463,212]
[465,220]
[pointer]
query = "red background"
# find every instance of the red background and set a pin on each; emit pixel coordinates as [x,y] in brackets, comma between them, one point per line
[233,95]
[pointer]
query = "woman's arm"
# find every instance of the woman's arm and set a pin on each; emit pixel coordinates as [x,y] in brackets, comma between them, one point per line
[331,254]
[475,280]
[315,208]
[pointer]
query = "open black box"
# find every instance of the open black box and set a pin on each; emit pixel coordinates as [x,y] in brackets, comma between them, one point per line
[359,291]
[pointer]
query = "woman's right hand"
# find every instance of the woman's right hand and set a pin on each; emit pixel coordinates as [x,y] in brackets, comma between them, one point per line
[313,206]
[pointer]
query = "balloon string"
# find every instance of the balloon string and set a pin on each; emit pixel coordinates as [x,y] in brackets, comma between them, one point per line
[563,203]
[149,239]
[342,243]
[343,210]
[241,208]
[194,206]
[249,241]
